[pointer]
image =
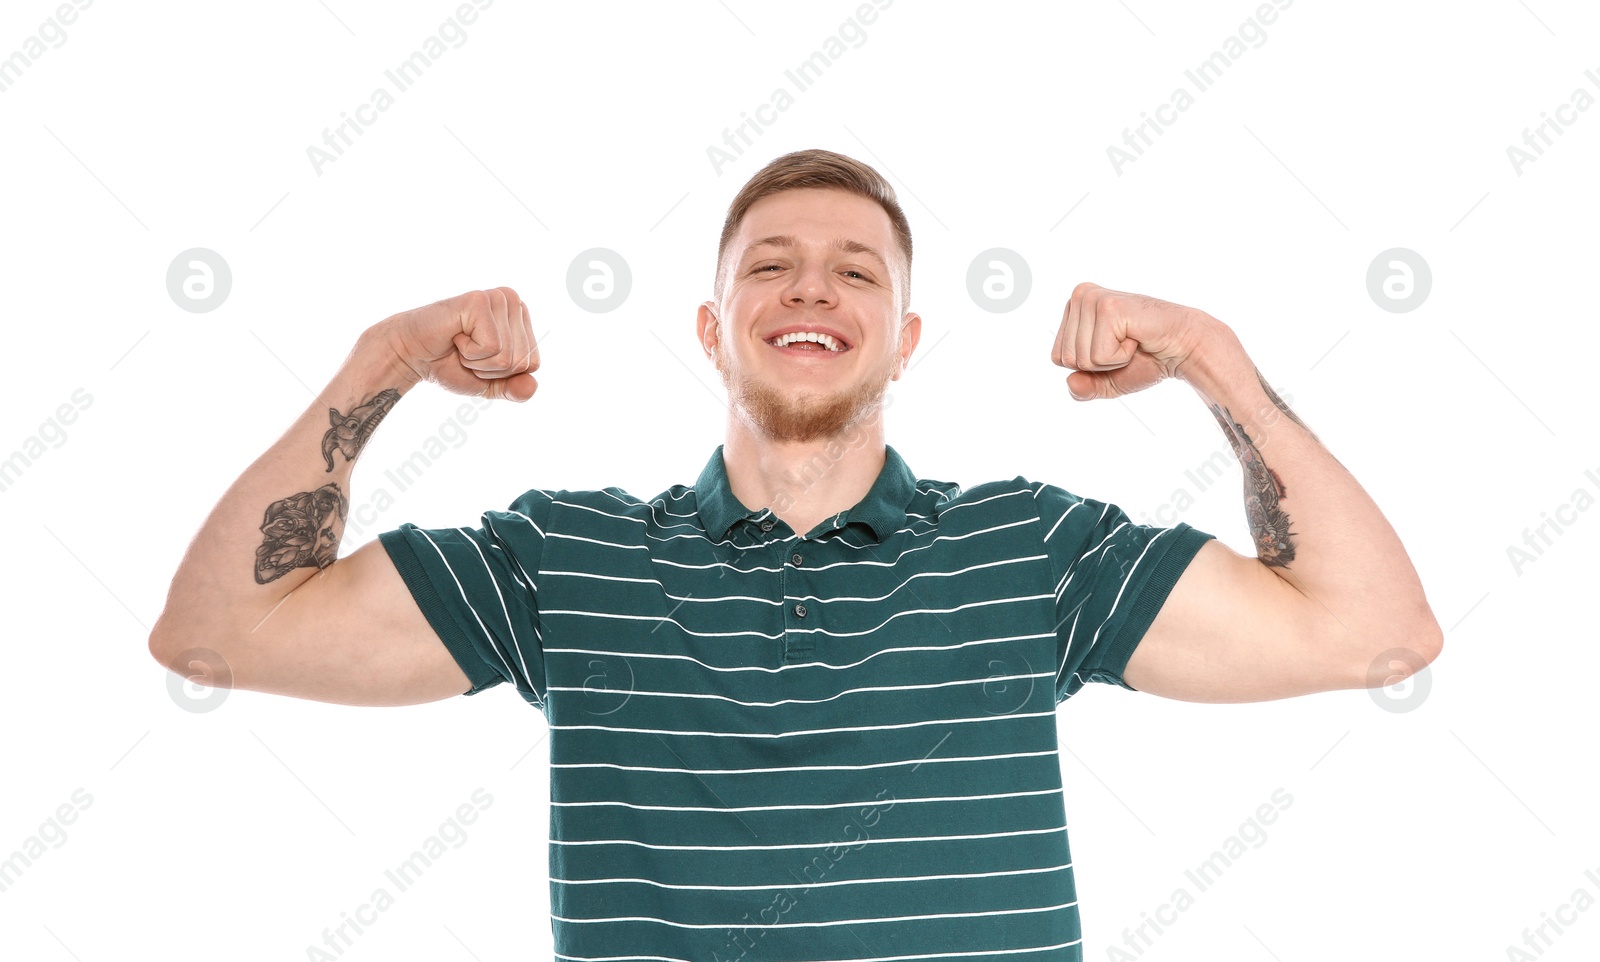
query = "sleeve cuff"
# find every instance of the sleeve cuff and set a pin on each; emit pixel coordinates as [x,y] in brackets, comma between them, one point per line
[438,614]
[1175,554]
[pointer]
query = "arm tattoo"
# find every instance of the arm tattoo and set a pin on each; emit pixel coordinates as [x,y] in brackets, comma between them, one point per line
[301,531]
[1273,396]
[351,432]
[1263,490]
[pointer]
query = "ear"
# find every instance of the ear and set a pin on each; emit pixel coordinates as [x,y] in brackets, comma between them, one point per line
[910,334]
[708,328]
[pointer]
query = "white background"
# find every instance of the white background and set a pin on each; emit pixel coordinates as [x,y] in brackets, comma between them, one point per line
[1439,832]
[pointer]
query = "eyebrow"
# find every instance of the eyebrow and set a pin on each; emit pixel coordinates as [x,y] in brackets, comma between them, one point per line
[842,244]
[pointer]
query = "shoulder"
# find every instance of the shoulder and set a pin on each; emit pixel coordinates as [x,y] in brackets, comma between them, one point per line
[949,503]
[605,508]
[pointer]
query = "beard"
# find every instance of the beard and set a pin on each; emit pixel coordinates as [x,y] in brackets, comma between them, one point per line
[801,418]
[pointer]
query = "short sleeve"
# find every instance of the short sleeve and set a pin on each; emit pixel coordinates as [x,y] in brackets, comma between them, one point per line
[477,588]
[1111,576]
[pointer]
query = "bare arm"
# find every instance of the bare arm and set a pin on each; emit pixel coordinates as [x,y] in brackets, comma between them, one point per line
[261,587]
[1330,600]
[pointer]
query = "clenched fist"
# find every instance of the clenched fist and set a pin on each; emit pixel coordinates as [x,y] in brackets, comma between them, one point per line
[479,343]
[1119,343]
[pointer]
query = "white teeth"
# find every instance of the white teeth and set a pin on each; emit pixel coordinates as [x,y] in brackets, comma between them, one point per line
[825,340]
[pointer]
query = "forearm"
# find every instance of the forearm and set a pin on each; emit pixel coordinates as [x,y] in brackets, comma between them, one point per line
[1312,523]
[282,520]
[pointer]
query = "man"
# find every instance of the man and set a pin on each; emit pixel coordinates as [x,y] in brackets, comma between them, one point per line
[804,708]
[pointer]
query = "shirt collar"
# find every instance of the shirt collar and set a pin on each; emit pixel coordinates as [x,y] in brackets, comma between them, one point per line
[883,509]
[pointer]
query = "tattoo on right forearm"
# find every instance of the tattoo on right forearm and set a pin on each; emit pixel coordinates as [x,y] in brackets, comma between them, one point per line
[351,432]
[1275,399]
[1273,396]
[1264,492]
[301,531]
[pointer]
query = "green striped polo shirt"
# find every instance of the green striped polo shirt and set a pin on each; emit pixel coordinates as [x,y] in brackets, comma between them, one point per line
[770,746]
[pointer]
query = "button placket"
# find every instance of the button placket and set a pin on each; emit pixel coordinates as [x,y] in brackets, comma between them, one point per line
[796,647]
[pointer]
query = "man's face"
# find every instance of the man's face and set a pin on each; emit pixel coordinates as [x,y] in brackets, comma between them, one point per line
[810,260]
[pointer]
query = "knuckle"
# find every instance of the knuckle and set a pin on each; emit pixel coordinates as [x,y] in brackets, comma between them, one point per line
[476,302]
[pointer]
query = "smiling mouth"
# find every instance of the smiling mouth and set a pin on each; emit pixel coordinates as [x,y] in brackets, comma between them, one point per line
[809,343]
[806,347]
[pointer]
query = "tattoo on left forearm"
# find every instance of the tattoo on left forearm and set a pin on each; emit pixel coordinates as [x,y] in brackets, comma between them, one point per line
[1263,494]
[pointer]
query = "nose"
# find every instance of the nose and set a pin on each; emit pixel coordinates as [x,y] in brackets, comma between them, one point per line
[809,284]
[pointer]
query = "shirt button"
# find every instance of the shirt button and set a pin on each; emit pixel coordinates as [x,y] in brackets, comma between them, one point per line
[767,525]
[800,611]
[796,559]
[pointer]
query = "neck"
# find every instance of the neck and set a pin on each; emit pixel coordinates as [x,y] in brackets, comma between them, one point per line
[804,482]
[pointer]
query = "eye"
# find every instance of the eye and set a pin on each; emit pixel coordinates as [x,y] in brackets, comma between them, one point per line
[859,274]
[760,269]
